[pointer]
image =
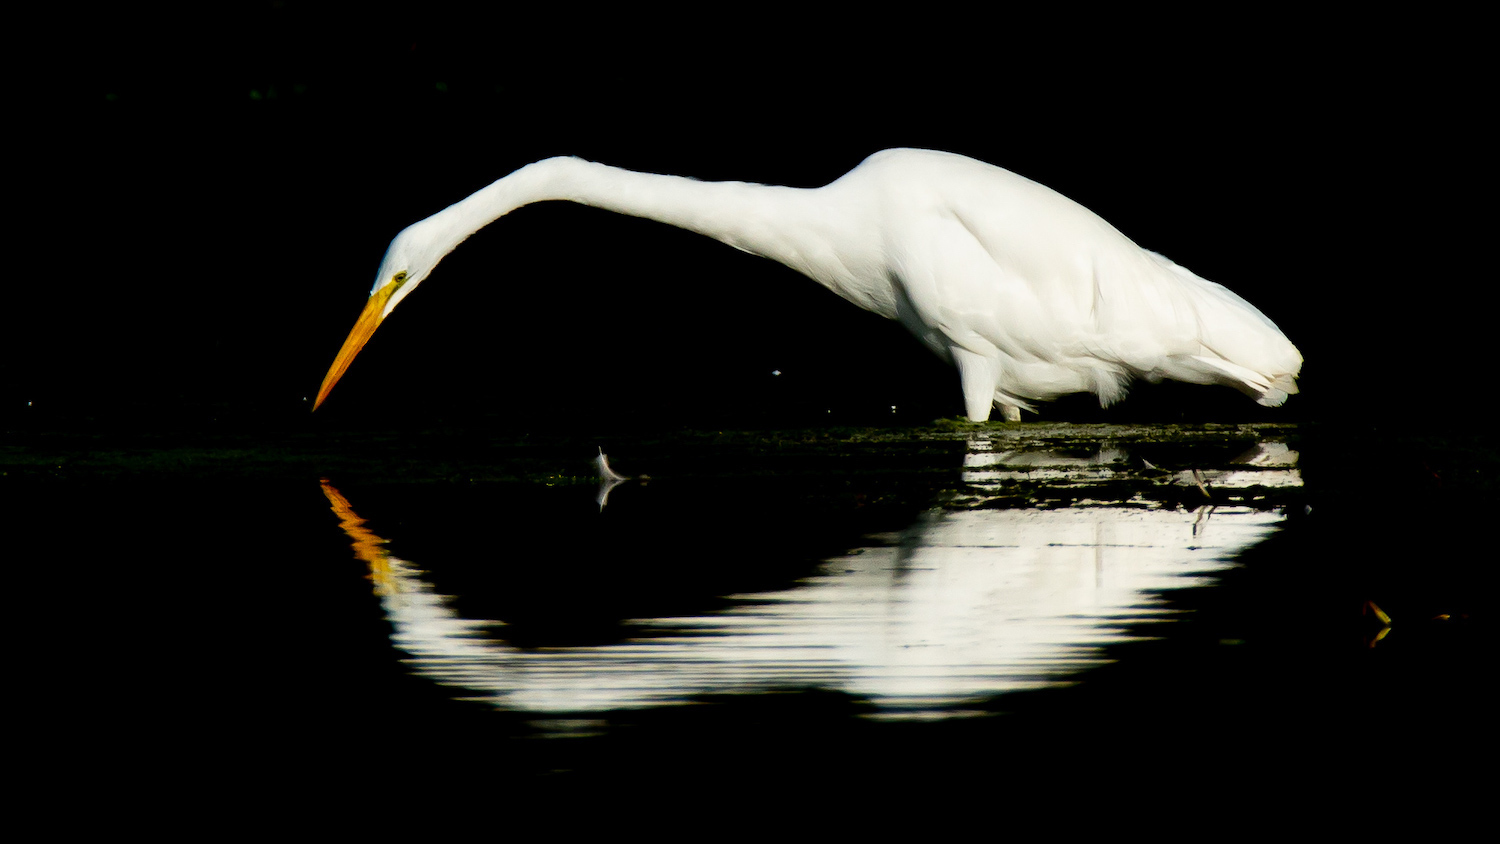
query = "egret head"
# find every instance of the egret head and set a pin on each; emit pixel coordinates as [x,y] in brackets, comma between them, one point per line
[407,262]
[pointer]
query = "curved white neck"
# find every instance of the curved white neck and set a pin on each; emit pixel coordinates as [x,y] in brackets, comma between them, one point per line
[788,225]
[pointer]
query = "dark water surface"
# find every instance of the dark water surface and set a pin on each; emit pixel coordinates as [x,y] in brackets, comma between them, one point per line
[1003,606]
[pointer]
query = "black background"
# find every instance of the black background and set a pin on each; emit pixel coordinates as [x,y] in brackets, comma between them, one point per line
[205,198]
[199,200]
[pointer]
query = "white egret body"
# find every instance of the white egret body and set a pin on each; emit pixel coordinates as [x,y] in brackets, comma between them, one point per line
[1031,295]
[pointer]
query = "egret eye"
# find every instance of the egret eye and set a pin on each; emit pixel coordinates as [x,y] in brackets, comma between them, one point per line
[399,278]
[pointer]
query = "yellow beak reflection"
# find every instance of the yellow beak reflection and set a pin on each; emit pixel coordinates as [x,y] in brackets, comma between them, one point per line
[369,320]
[368,545]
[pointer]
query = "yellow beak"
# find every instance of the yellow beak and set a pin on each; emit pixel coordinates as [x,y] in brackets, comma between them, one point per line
[369,320]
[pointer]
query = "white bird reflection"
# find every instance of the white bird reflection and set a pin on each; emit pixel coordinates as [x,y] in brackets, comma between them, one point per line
[608,479]
[962,605]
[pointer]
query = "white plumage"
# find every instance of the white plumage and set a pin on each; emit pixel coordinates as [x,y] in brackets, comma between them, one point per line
[1031,295]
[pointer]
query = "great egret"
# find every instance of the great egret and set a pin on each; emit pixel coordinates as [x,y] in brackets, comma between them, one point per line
[1031,295]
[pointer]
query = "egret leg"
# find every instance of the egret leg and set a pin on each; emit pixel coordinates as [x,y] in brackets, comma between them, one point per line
[977,376]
